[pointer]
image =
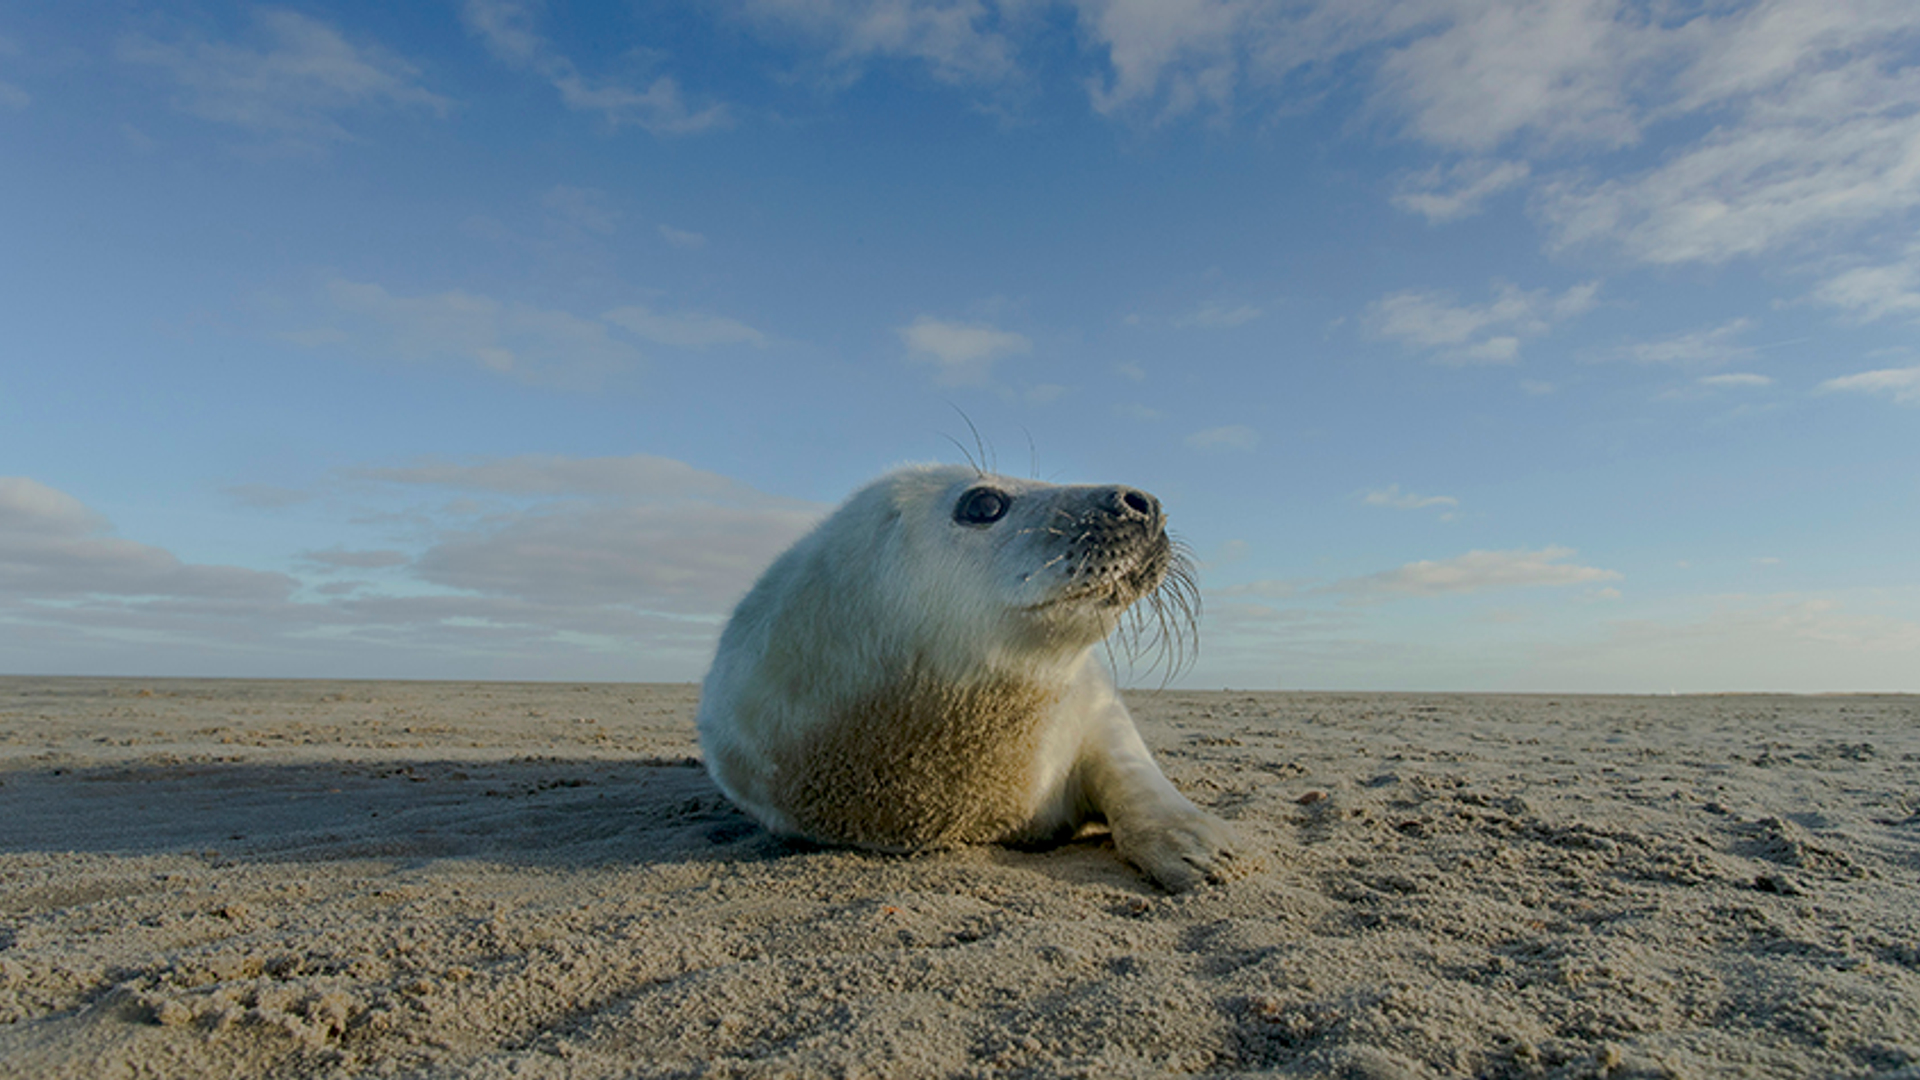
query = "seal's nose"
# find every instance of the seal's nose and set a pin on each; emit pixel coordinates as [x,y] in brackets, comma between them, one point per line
[1132,504]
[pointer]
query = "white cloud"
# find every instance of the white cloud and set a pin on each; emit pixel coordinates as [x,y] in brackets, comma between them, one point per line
[1867,293]
[1774,122]
[681,238]
[1494,350]
[639,530]
[690,559]
[963,354]
[610,567]
[1191,56]
[1392,496]
[1228,437]
[1463,74]
[1697,348]
[506,28]
[1186,46]
[960,41]
[659,109]
[1430,319]
[29,508]
[1805,104]
[1814,137]
[1708,385]
[1900,384]
[1555,70]
[52,547]
[1748,190]
[685,329]
[291,85]
[537,345]
[1476,334]
[1741,380]
[1458,191]
[1759,48]
[1476,571]
[534,344]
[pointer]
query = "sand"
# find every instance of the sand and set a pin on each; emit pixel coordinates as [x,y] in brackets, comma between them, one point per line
[207,878]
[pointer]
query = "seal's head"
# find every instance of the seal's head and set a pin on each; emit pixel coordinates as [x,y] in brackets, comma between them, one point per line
[995,572]
[964,574]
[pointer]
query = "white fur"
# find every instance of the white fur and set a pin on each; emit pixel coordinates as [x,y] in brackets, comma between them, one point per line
[895,642]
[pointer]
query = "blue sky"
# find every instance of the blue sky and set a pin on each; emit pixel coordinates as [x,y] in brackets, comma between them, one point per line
[1472,344]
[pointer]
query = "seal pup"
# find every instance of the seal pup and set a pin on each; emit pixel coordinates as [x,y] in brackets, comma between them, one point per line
[918,672]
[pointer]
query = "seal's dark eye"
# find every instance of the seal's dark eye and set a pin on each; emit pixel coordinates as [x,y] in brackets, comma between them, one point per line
[982,506]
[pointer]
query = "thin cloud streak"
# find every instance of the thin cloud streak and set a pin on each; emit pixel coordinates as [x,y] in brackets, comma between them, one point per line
[506,28]
[962,354]
[962,42]
[1489,333]
[1900,384]
[1474,572]
[520,341]
[292,86]
[1392,496]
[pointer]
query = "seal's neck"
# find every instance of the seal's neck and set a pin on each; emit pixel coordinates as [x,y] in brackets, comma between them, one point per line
[999,664]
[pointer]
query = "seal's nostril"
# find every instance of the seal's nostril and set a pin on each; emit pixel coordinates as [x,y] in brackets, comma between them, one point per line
[1129,504]
[1134,503]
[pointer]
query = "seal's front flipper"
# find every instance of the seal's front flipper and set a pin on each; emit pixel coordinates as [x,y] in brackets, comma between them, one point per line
[1157,829]
[1180,850]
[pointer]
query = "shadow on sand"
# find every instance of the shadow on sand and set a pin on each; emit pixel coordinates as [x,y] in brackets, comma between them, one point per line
[534,811]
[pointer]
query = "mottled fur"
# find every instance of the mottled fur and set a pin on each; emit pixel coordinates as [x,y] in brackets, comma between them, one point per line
[921,763]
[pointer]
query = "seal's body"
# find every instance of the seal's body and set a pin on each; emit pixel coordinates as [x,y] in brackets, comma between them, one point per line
[918,672]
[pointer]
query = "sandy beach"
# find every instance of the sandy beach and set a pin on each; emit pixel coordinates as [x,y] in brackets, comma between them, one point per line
[237,878]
